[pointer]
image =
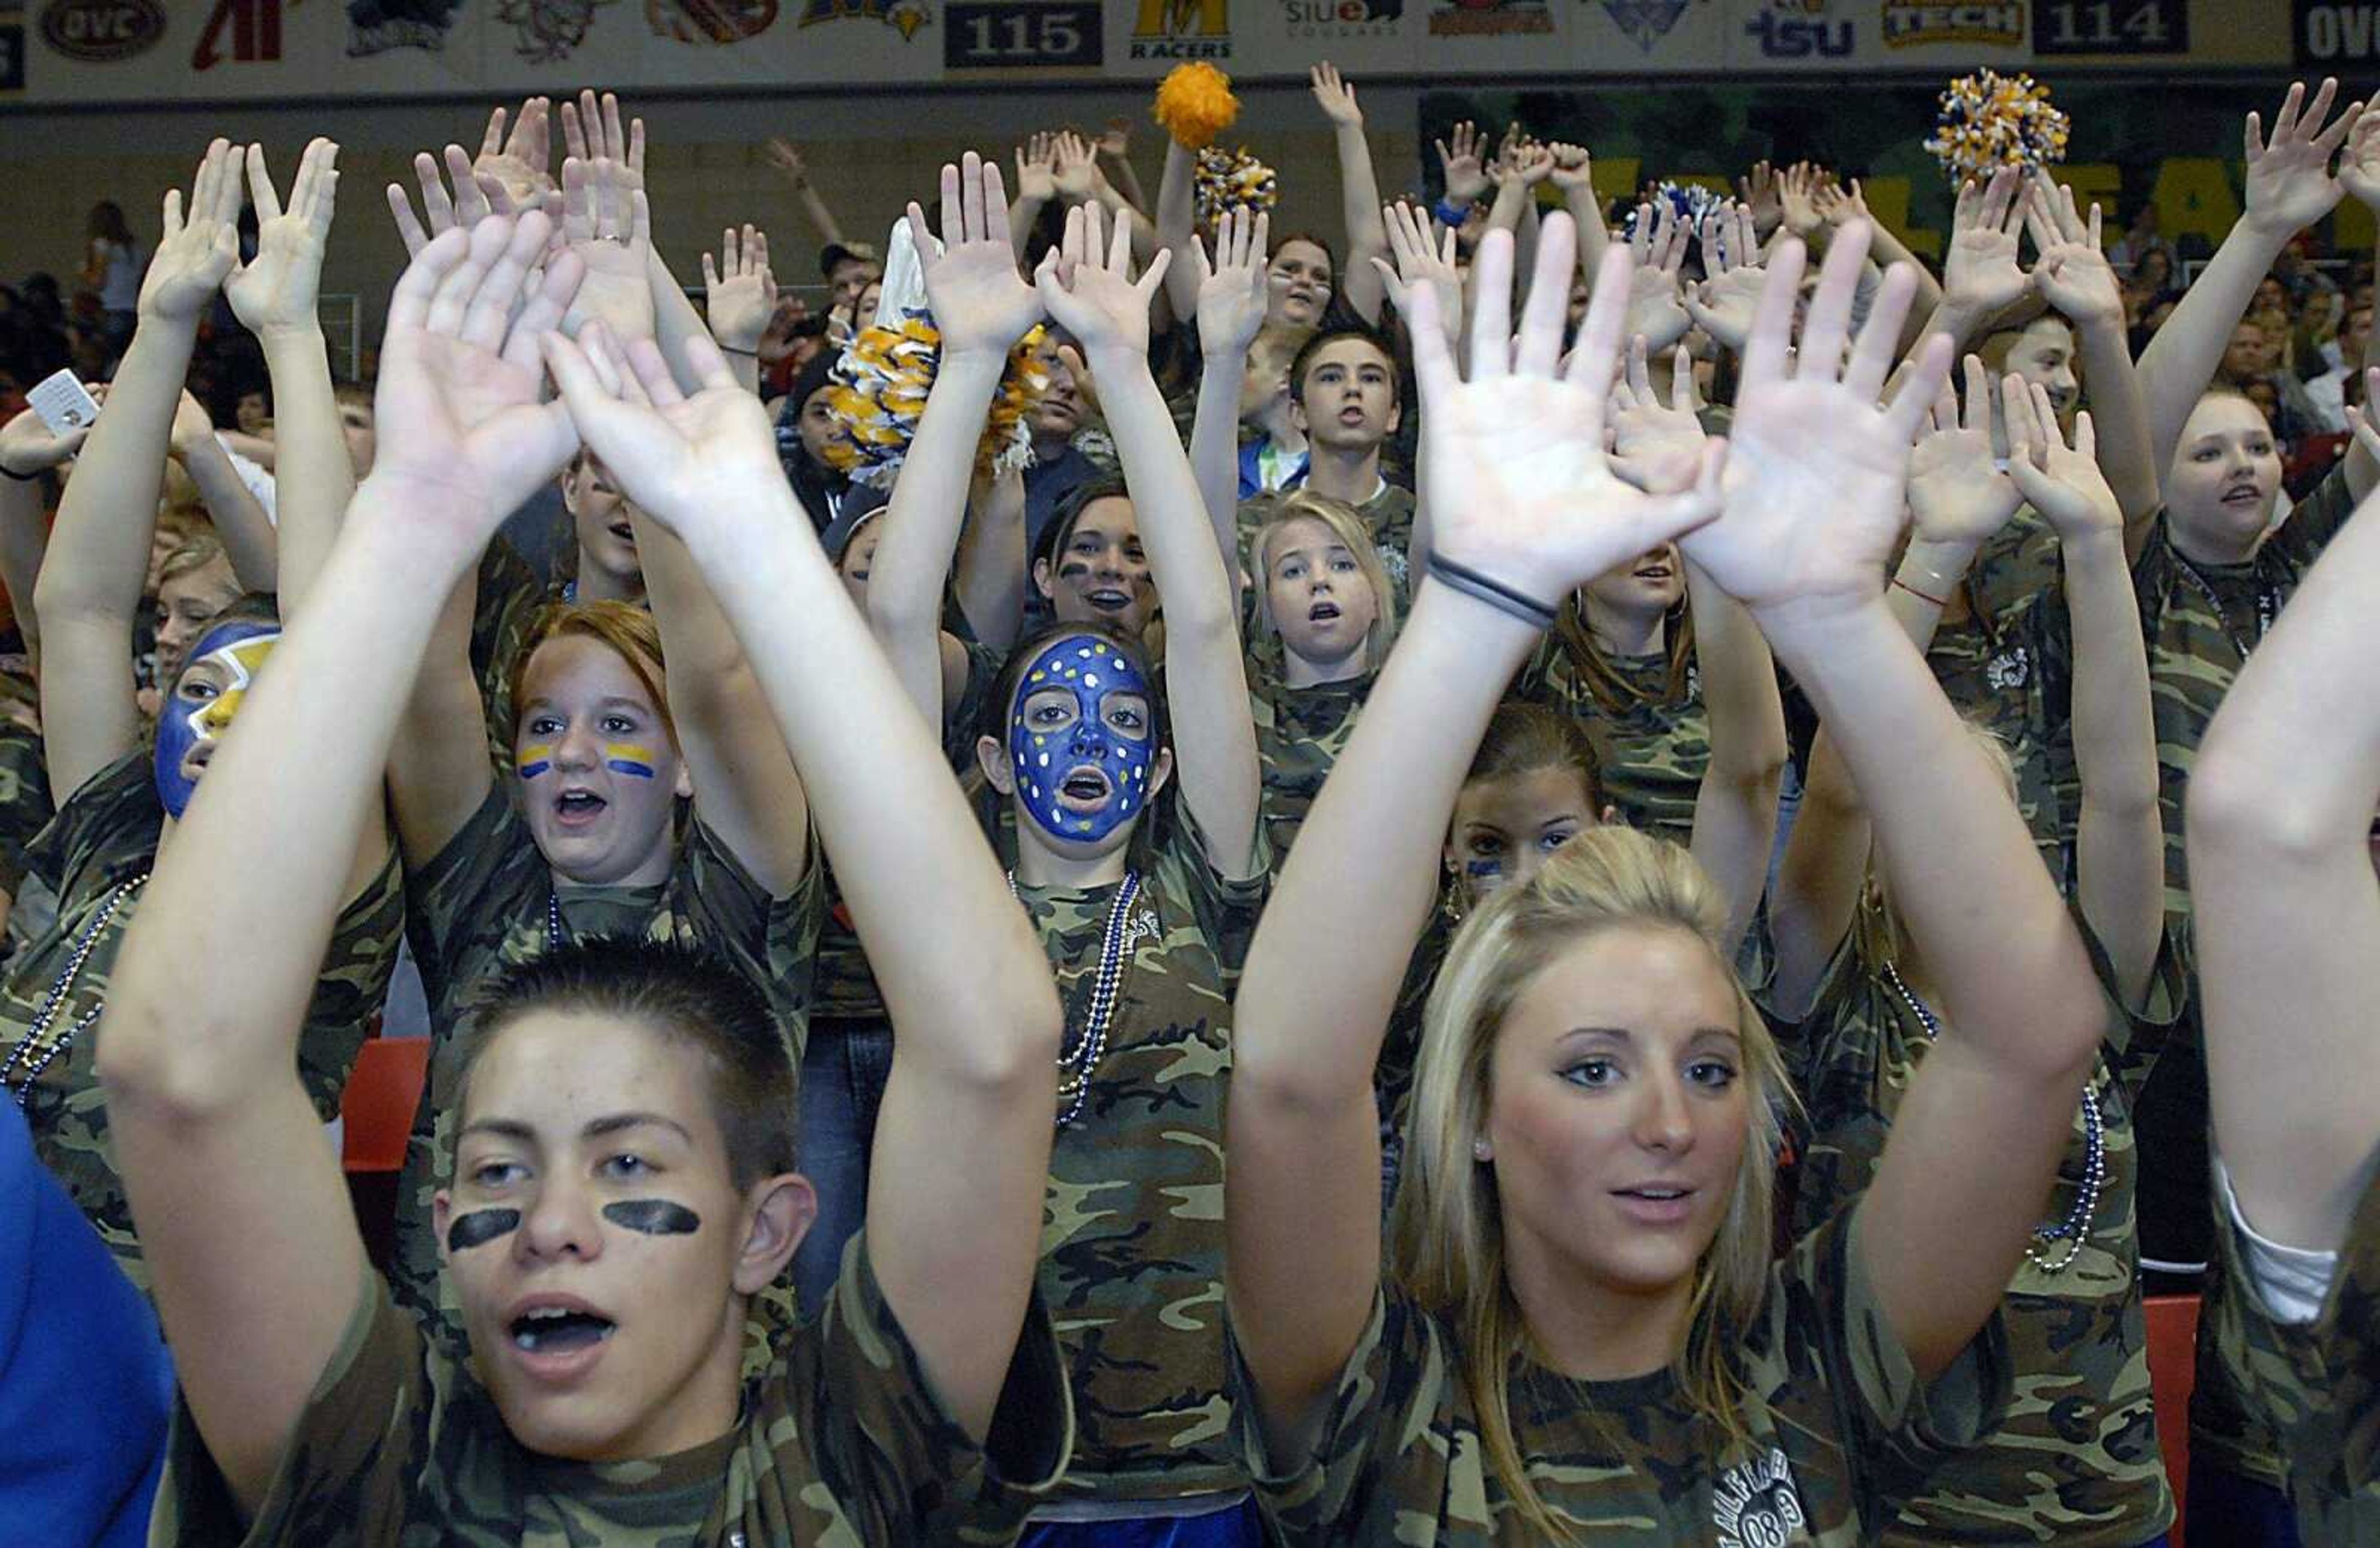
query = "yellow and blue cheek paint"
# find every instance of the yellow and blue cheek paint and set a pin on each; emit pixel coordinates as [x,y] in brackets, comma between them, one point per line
[632,758]
[535,759]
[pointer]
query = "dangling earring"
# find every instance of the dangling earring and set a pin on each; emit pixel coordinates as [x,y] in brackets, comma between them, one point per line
[1456,901]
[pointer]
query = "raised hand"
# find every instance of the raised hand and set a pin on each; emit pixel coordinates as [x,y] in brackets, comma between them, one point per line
[1838,203]
[1658,248]
[1797,195]
[1077,170]
[2289,181]
[739,291]
[1459,157]
[1723,302]
[607,222]
[1520,487]
[1762,198]
[459,417]
[1656,447]
[1422,262]
[522,165]
[1117,141]
[1232,292]
[199,250]
[1980,273]
[27,447]
[275,291]
[981,305]
[1573,170]
[474,200]
[1816,472]
[2062,481]
[1335,97]
[1524,161]
[1087,284]
[1036,170]
[788,158]
[1958,497]
[693,464]
[2071,271]
[2359,166]
[592,132]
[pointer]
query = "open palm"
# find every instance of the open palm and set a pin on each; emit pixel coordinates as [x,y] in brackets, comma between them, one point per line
[981,304]
[276,289]
[2289,186]
[196,253]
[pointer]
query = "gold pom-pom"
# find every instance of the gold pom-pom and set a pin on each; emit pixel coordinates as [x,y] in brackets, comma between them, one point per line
[1194,104]
[1233,180]
[877,394]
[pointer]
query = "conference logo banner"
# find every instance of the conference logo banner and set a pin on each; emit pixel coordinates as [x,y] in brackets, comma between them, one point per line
[2328,34]
[99,32]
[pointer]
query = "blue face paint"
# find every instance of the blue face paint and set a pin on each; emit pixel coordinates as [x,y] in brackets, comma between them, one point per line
[237,652]
[1089,671]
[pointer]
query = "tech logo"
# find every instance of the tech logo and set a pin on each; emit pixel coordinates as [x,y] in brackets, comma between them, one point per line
[1183,30]
[1911,23]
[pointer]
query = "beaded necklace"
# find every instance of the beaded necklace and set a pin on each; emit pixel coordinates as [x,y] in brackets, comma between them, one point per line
[2076,1227]
[1081,1054]
[2268,605]
[40,1046]
[552,920]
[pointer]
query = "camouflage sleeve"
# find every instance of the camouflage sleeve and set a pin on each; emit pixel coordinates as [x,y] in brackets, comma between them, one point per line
[106,830]
[2315,520]
[485,877]
[1823,1322]
[1227,910]
[25,805]
[2317,1382]
[881,1444]
[2135,1038]
[509,598]
[773,941]
[1386,1429]
[351,988]
[343,1480]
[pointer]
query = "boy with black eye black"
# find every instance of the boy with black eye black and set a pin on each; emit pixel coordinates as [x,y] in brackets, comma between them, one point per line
[1344,397]
[624,1179]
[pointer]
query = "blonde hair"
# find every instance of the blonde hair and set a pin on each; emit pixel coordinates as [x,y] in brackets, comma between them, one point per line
[1346,524]
[190,556]
[1447,1246]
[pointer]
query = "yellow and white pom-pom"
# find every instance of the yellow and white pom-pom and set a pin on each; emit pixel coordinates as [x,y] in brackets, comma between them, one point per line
[877,392]
[1989,121]
[1233,180]
[1194,104]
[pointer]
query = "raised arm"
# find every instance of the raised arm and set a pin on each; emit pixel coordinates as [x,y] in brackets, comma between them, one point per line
[1815,493]
[246,533]
[2359,173]
[1527,509]
[28,451]
[1114,148]
[2120,844]
[739,295]
[963,1138]
[2290,188]
[2073,275]
[982,307]
[250,1242]
[794,167]
[274,294]
[1233,295]
[1981,276]
[1090,291]
[1656,447]
[1177,221]
[1839,202]
[2280,811]
[1957,500]
[98,557]
[1359,192]
[1037,185]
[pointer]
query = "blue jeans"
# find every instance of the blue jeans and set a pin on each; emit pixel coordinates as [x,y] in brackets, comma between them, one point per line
[1238,1528]
[2238,1512]
[844,1070]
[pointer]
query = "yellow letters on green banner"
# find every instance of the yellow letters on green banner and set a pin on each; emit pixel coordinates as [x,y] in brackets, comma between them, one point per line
[2193,194]
[1887,200]
[2098,182]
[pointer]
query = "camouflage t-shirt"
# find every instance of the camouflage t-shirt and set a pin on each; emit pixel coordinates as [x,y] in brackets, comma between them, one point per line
[841,1441]
[25,804]
[504,607]
[1300,733]
[1842,1431]
[1652,751]
[2075,1459]
[2317,1383]
[1992,669]
[488,900]
[1132,1243]
[105,840]
[1388,514]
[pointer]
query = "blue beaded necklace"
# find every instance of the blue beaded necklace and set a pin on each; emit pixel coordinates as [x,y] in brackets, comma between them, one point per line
[2076,1227]
[40,1046]
[1081,1056]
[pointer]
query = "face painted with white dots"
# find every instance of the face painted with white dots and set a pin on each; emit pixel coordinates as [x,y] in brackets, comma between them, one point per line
[1082,738]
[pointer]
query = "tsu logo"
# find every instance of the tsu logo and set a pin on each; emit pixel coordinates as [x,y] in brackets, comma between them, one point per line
[1799,30]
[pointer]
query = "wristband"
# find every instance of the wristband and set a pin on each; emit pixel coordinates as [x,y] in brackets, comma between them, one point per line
[1495,593]
[1922,596]
[1451,214]
[5,471]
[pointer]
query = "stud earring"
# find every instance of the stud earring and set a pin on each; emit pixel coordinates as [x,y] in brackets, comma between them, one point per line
[1479,1150]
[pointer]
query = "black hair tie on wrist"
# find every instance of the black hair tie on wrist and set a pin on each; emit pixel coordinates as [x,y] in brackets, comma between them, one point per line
[1495,593]
[5,471]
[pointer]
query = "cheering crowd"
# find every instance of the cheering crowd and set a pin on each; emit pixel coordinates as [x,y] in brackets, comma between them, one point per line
[1550,873]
